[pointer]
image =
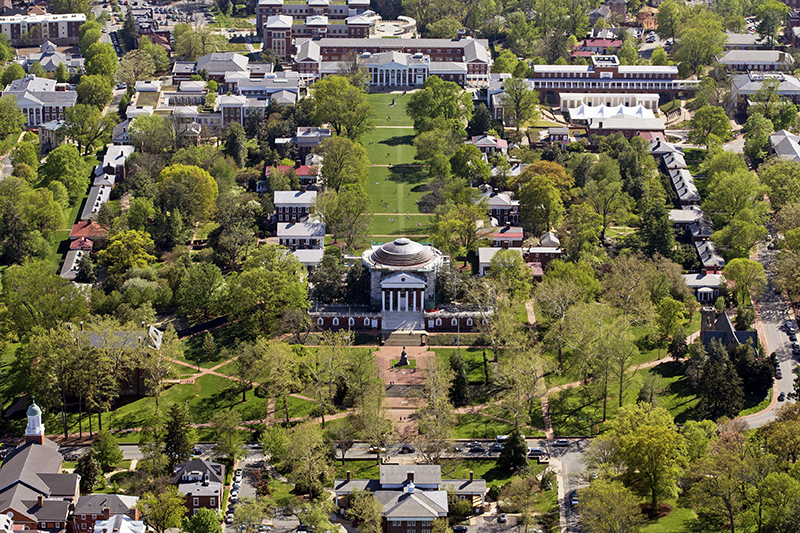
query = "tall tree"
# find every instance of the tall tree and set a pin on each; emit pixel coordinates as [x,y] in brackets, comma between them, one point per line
[343,106]
[748,278]
[164,510]
[203,521]
[228,440]
[65,164]
[454,227]
[87,126]
[707,122]
[519,101]
[609,507]
[323,368]
[236,143]
[178,434]
[346,213]
[88,468]
[440,105]
[107,451]
[344,162]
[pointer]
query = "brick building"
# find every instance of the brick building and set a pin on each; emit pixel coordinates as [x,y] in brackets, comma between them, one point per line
[319,18]
[40,99]
[27,30]
[202,483]
[92,508]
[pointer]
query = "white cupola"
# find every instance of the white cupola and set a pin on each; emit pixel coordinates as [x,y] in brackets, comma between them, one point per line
[35,430]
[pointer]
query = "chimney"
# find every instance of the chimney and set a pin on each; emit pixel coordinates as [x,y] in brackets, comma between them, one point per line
[106,513]
[143,326]
[81,325]
[471,475]
[40,500]
[410,477]
[348,475]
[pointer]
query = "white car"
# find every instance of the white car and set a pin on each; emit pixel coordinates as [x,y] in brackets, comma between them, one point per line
[229,518]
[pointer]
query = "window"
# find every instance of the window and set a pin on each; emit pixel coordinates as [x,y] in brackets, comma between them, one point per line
[351,321]
[454,322]
[83,517]
[212,501]
[396,523]
[412,523]
[335,321]
[195,501]
[469,323]
[366,321]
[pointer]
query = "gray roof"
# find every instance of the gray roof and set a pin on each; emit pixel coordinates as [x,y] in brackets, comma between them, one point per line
[294,197]
[222,62]
[685,216]
[420,505]
[120,524]
[747,84]
[704,280]
[708,255]
[284,97]
[94,503]
[486,253]
[462,486]
[423,474]
[183,67]
[726,333]
[32,83]
[742,39]
[388,44]
[215,471]
[343,486]
[23,465]
[301,229]
[755,57]
[785,145]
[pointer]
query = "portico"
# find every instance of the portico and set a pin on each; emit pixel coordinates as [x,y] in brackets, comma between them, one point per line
[402,292]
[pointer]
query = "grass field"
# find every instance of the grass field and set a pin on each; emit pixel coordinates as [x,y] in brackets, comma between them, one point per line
[147,98]
[475,426]
[387,114]
[390,146]
[399,225]
[398,187]
[474,359]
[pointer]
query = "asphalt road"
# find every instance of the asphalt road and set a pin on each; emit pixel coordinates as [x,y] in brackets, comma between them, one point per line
[773,312]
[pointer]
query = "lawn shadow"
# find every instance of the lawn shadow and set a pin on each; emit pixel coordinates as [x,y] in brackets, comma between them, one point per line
[704,523]
[414,175]
[220,400]
[398,140]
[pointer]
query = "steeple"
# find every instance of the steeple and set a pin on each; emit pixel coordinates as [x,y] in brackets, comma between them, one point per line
[35,430]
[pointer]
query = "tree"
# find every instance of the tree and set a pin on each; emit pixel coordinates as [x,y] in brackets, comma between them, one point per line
[352,67]
[733,194]
[512,274]
[236,143]
[127,249]
[659,57]
[128,31]
[481,120]
[505,62]
[88,34]
[346,213]
[88,468]
[748,279]
[107,451]
[771,15]
[94,90]
[101,61]
[324,367]
[757,130]
[454,227]
[87,126]
[540,205]
[707,121]
[719,387]
[700,40]
[61,74]
[152,134]
[436,420]
[344,162]
[157,53]
[308,457]
[445,28]
[136,65]
[66,165]
[13,72]
[249,514]
[327,279]
[459,387]
[342,106]
[203,521]
[609,507]
[280,373]
[272,282]
[201,292]
[366,509]
[26,153]
[650,448]
[514,455]
[11,118]
[440,105]
[519,101]
[178,434]
[606,198]
[656,231]
[229,442]
[670,316]
[164,510]
[188,189]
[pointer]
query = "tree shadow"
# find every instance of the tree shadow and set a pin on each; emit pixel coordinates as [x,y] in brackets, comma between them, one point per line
[704,523]
[219,401]
[412,175]
[398,140]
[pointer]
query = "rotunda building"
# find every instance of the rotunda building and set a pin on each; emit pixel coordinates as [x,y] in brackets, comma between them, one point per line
[403,275]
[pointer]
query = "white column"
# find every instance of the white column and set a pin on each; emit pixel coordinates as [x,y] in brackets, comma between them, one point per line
[383,300]
[391,300]
[414,300]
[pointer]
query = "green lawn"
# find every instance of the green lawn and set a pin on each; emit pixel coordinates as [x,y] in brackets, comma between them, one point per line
[399,187]
[412,363]
[390,146]
[475,426]
[387,114]
[148,98]
[362,469]
[204,229]
[399,225]
[681,519]
[474,359]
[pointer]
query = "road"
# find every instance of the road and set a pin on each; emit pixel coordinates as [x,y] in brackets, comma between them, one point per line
[773,313]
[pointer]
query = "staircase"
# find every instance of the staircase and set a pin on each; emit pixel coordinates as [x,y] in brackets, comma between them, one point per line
[403,338]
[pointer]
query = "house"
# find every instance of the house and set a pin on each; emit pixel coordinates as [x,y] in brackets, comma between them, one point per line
[602,12]
[673,161]
[310,258]
[618,7]
[743,86]
[306,139]
[49,58]
[683,184]
[485,255]
[218,66]
[706,287]
[614,100]
[398,69]
[120,524]
[148,86]
[489,144]
[35,494]
[318,18]
[723,330]
[600,46]
[301,235]
[549,249]
[89,229]
[502,206]
[93,509]
[72,261]
[711,262]
[49,135]
[785,145]
[202,483]
[293,206]
[683,218]
[412,496]
[99,195]
[660,148]
[507,236]
[121,136]
[114,160]
[559,136]
[742,41]
[761,60]
[39,99]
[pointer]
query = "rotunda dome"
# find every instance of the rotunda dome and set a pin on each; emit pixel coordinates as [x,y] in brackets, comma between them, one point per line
[402,252]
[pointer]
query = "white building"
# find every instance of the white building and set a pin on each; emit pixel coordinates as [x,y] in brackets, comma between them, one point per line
[293,206]
[301,235]
[39,100]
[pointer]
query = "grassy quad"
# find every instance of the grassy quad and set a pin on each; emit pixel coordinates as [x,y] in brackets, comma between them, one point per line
[387,114]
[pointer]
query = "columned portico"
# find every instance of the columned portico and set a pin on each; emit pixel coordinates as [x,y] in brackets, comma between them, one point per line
[403,292]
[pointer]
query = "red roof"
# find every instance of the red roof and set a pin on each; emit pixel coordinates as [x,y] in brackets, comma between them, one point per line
[603,43]
[89,229]
[83,243]
[509,233]
[536,269]
[652,135]
[285,168]
[305,170]
[581,53]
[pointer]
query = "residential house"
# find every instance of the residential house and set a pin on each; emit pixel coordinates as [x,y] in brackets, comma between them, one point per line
[502,206]
[121,136]
[310,258]
[220,66]
[599,46]
[35,494]
[293,206]
[301,235]
[412,496]
[40,99]
[93,509]
[120,524]
[49,135]
[711,262]
[683,184]
[602,12]
[559,136]
[485,255]
[742,41]
[549,249]
[706,287]
[90,229]
[507,236]
[306,139]
[114,160]
[489,145]
[49,58]
[785,145]
[202,482]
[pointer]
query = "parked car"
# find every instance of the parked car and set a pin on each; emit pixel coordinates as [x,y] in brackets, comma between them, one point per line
[457,448]
[536,452]
[789,325]
[778,374]
[377,449]
[781,396]
[795,348]
[236,486]
[229,518]
[573,499]
[405,448]
[496,447]
[561,442]
[460,529]
[501,519]
[477,449]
